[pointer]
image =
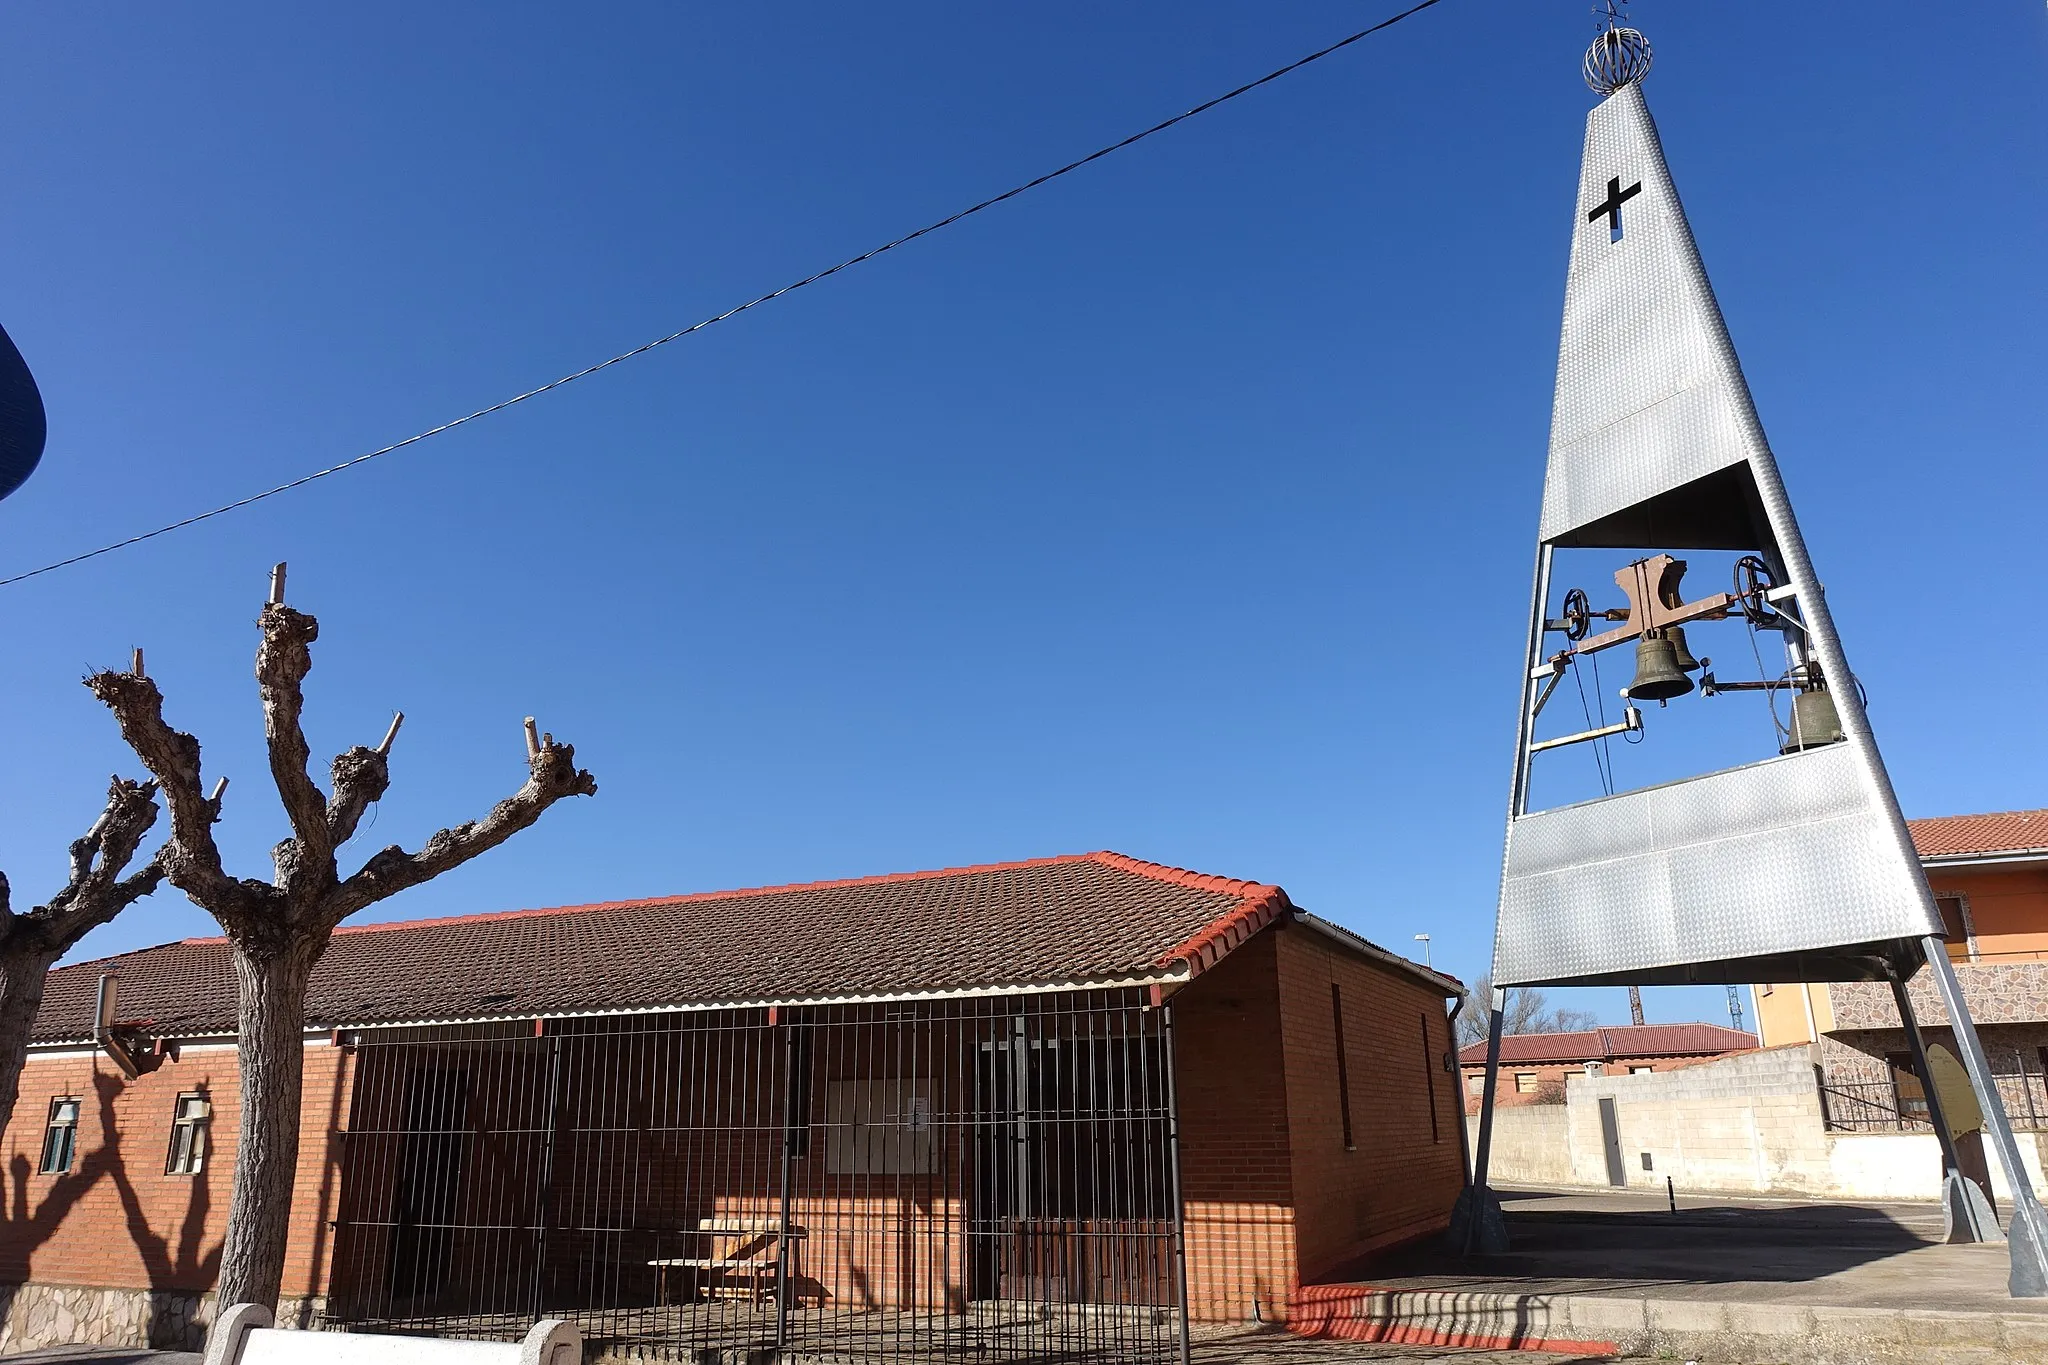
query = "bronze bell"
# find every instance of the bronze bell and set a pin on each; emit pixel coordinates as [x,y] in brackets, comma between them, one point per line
[1658,676]
[1814,722]
[1686,663]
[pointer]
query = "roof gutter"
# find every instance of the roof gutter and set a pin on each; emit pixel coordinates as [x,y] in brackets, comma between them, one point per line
[1447,986]
[1990,859]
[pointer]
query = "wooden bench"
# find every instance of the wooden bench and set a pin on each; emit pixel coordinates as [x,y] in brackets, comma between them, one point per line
[744,1268]
[244,1336]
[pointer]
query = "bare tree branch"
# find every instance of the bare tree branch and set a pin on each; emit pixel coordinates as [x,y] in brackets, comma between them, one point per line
[360,776]
[553,774]
[97,891]
[282,662]
[189,859]
[279,929]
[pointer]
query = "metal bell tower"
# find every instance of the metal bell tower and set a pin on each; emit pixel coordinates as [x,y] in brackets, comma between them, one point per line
[1793,863]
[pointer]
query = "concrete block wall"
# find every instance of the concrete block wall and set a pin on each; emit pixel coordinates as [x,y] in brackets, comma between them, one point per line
[1745,1124]
[1748,1122]
[1532,1145]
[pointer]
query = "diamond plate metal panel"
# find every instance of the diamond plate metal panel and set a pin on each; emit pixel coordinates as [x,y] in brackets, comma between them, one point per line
[1648,394]
[1788,858]
[1792,854]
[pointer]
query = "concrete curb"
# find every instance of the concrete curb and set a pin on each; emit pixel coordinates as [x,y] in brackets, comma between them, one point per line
[1705,1330]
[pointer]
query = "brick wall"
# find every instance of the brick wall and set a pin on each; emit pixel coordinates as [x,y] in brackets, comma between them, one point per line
[1270,1190]
[1273,1196]
[116,1219]
[1237,1183]
[1403,1169]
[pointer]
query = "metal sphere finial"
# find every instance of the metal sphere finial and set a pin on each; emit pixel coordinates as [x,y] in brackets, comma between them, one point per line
[1618,57]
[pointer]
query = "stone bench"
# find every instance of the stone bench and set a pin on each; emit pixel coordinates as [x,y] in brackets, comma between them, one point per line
[244,1336]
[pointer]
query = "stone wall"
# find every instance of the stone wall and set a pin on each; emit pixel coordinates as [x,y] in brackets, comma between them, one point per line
[36,1315]
[1996,992]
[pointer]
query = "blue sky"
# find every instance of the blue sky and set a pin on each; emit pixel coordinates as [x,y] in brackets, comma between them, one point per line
[1184,507]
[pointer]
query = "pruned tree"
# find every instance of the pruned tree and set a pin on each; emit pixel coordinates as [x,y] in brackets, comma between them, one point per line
[279,928]
[1527,1011]
[96,891]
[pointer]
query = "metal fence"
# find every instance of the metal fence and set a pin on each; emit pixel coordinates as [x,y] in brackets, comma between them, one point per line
[992,1179]
[1868,1106]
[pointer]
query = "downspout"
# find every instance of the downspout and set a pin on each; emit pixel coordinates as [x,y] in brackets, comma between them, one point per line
[1458,1089]
[103,1026]
[1812,1024]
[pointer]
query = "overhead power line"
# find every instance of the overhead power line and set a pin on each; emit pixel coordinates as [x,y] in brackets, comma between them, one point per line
[735,311]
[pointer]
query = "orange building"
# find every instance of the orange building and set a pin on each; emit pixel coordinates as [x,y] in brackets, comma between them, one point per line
[1014,1111]
[1989,874]
[1535,1068]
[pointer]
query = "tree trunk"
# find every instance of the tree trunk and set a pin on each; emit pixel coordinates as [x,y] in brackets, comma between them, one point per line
[271,984]
[23,968]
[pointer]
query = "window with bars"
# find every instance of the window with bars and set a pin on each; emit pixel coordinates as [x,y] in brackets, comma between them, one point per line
[60,1139]
[189,1118]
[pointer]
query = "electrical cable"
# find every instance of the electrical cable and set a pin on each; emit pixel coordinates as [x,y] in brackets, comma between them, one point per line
[1586,708]
[1770,688]
[1600,700]
[733,312]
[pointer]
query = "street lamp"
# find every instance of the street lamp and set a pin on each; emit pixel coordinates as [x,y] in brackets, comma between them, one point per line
[1423,939]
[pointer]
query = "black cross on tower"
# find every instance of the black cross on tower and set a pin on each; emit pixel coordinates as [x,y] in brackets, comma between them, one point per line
[1616,197]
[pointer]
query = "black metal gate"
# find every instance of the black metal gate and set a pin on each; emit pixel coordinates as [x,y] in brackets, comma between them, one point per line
[992,1178]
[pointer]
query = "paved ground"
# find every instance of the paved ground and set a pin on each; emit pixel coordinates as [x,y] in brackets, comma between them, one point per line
[1259,1348]
[1731,1250]
[1278,1348]
[100,1355]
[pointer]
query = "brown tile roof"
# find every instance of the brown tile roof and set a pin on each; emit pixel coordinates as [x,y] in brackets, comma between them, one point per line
[1958,836]
[1607,1044]
[1085,917]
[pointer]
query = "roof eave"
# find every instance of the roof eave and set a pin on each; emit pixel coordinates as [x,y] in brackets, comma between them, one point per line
[1447,986]
[1985,858]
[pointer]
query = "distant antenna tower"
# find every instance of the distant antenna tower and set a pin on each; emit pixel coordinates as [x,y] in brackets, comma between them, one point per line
[1735,1008]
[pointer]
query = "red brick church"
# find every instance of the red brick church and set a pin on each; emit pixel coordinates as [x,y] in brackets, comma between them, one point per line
[1065,1104]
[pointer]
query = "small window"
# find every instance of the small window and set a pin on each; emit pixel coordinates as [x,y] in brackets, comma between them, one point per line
[1476,1085]
[60,1142]
[189,1118]
[1641,1070]
[1525,1082]
[1955,926]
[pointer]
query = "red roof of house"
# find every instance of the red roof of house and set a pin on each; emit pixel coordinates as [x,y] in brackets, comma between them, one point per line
[1608,1044]
[1082,918]
[1960,836]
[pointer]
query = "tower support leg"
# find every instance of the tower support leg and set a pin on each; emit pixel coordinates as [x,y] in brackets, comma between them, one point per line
[2027,1238]
[1477,1225]
[1966,1208]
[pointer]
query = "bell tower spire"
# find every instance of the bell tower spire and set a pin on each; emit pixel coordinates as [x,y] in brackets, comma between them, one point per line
[1789,860]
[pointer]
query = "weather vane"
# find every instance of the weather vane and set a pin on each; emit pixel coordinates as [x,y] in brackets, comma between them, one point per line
[1619,55]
